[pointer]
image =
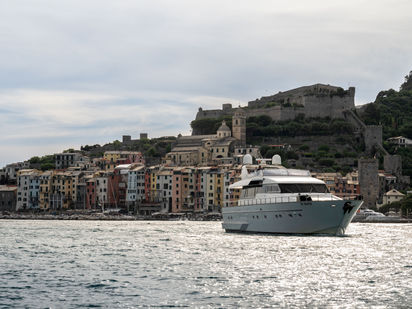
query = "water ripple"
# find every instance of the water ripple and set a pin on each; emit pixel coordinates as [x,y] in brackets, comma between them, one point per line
[78,264]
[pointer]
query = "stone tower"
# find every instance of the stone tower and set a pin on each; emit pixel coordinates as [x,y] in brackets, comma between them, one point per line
[239,126]
[368,181]
[373,138]
[393,165]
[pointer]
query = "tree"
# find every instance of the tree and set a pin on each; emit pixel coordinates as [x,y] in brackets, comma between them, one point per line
[117,145]
[404,205]
[47,166]
[263,150]
[324,148]
[34,160]
[70,150]
[204,126]
[371,114]
[407,85]
[152,152]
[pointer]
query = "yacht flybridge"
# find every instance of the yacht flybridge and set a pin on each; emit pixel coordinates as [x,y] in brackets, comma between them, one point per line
[274,199]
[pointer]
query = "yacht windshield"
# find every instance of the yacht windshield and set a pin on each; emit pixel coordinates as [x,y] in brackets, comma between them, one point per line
[303,188]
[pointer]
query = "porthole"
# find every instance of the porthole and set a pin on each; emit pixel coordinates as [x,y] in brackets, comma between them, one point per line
[300,215]
[265,217]
[290,215]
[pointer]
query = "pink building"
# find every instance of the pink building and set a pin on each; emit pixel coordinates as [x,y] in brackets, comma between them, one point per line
[91,193]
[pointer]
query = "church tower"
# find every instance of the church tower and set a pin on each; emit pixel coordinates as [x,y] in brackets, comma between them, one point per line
[239,126]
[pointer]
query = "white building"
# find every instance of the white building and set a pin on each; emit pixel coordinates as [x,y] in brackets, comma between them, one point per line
[12,169]
[28,189]
[101,190]
[135,184]
[392,196]
[400,141]
[65,160]
[164,189]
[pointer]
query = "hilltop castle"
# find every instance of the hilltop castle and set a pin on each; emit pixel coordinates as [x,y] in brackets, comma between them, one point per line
[312,101]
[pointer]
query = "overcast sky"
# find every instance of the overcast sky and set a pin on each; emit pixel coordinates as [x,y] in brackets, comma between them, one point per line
[77,72]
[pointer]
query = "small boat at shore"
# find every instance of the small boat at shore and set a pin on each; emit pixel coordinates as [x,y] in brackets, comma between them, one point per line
[274,199]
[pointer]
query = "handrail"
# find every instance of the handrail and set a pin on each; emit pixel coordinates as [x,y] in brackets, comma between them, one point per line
[292,199]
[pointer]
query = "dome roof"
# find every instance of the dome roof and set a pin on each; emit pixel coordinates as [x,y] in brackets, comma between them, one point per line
[223,127]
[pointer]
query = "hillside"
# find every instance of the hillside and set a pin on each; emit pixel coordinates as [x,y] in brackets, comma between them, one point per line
[393,110]
[326,144]
[318,144]
[153,150]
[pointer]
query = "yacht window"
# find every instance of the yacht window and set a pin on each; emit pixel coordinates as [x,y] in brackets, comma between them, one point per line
[254,183]
[303,188]
[272,188]
[259,190]
[248,193]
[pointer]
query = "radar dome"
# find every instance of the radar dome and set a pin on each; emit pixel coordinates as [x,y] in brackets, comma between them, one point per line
[247,159]
[276,160]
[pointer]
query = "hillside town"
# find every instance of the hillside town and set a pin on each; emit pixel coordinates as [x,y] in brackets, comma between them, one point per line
[194,175]
[193,179]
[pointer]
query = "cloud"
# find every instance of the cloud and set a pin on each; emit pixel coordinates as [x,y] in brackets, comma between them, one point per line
[84,71]
[33,117]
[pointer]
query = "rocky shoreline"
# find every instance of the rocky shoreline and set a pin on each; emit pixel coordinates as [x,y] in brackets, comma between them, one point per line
[108,217]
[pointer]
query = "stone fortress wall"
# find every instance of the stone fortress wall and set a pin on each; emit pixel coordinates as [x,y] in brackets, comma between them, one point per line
[313,101]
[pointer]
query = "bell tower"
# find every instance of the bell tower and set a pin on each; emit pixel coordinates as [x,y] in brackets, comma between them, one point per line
[239,126]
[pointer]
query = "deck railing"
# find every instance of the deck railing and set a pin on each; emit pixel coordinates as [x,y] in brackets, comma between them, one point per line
[292,199]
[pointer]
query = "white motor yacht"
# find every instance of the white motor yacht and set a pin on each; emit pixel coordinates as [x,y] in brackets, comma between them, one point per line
[274,199]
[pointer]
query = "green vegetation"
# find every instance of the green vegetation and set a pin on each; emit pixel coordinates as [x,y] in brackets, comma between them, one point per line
[301,126]
[340,92]
[152,149]
[70,150]
[407,85]
[89,148]
[271,104]
[269,152]
[44,163]
[327,162]
[393,110]
[324,148]
[404,205]
[406,154]
[207,126]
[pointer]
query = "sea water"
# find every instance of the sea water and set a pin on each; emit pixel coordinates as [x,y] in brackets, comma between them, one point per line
[127,264]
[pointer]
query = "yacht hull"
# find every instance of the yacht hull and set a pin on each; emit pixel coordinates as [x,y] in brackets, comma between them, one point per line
[320,217]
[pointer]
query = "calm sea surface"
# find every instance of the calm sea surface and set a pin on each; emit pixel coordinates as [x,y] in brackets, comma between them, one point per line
[72,264]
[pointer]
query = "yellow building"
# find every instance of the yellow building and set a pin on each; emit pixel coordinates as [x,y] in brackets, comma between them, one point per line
[45,189]
[126,156]
[112,156]
[218,189]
